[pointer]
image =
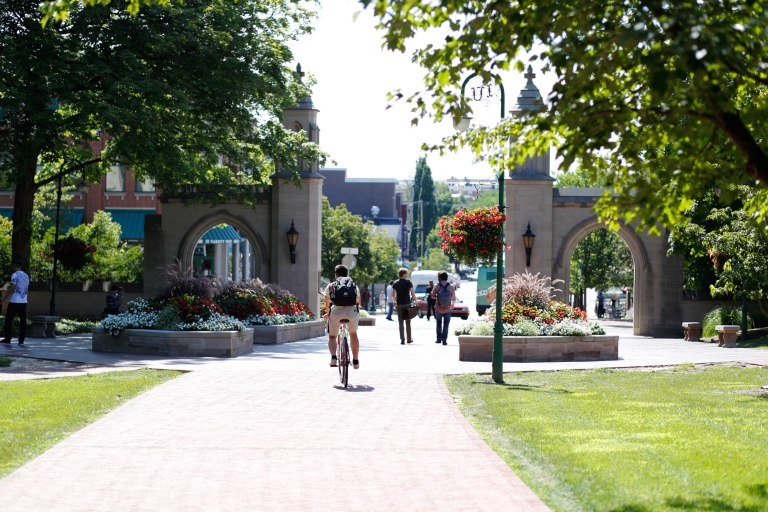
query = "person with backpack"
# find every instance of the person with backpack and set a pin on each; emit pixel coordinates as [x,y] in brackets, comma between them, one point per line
[342,302]
[444,296]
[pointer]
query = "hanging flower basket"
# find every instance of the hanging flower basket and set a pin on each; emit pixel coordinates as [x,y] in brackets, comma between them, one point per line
[73,253]
[473,236]
[717,258]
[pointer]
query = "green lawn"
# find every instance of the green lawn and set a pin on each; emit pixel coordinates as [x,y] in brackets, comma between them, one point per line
[631,441]
[36,414]
[760,343]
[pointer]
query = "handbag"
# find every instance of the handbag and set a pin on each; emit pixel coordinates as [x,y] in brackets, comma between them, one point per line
[412,311]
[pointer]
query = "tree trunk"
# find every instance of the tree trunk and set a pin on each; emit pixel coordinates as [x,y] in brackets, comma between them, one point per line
[23,205]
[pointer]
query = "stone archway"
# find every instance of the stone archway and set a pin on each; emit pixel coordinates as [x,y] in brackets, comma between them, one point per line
[198,229]
[640,261]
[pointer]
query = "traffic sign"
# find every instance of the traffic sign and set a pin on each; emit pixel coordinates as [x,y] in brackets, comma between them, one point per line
[349,261]
[349,250]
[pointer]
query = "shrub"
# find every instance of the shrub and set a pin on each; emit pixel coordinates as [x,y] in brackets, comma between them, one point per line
[528,290]
[524,327]
[71,326]
[179,282]
[722,316]
[168,320]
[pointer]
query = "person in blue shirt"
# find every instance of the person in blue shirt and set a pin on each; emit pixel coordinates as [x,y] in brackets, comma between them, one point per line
[16,300]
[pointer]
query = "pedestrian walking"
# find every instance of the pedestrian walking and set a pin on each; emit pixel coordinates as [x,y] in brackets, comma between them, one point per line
[390,304]
[444,297]
[600,305]
[365,296]
[403,295]
[430,300]
[16,302]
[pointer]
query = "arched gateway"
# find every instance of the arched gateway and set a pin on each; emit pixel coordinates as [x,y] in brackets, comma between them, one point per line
[176,232]
[561,217]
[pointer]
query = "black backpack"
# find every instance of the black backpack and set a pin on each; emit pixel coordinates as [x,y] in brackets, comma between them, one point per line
[444,296]
[343,292]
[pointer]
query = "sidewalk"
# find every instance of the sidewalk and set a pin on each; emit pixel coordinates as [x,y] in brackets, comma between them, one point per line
[273,431]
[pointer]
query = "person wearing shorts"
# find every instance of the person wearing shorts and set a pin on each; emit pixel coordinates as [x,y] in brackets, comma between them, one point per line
[335,314]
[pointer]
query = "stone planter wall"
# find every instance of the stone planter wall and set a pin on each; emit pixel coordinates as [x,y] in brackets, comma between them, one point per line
[174,343]
[287,333]
[370,321]
[521,349]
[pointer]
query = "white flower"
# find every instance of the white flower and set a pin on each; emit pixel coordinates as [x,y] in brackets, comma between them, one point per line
[277,319]
[215,322]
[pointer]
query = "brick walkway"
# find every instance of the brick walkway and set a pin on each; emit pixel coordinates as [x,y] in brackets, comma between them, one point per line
[260,432]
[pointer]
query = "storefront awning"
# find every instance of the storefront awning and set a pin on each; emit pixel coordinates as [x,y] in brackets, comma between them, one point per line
[69,217]
[220,235]
[131,222]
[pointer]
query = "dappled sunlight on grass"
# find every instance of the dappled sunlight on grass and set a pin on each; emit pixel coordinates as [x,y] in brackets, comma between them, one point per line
[686,438]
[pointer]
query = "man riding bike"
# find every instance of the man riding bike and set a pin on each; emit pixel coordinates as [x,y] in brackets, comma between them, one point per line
[342,302]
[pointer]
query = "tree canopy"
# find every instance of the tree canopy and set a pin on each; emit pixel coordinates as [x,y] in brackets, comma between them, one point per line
[377,253]
[168,92]
[667,98]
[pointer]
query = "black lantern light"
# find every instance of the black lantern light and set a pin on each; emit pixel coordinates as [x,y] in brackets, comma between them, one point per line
[293,237]
[528,241]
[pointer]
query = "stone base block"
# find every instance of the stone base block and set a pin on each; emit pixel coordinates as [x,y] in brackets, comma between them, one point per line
[287,333]
[43,326]
[366,321]
[174,343]
[534,349]
[692,331]
[728,335]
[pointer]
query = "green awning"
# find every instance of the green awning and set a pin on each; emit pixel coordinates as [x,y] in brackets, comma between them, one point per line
[69,217]
[131,222]
[219,235]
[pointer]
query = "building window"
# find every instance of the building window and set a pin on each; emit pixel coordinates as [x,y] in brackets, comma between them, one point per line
[116,178]
[145,185]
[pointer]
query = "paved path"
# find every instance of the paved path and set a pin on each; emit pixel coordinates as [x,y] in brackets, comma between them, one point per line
[260,432]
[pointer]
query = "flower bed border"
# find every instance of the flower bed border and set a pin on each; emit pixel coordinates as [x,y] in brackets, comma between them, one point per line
[286,333]
[535,349]
[174,343]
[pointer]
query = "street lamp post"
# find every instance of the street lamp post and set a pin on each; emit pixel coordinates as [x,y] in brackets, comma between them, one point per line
[82,187]
[55,252]
[497,364]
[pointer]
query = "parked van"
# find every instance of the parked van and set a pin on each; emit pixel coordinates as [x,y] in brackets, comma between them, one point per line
[421,279]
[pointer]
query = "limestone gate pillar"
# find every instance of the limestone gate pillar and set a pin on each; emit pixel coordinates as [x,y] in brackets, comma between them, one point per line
[528,192]
[303,207]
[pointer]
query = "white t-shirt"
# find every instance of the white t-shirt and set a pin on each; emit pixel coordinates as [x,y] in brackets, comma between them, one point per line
[389,294]
[21,280]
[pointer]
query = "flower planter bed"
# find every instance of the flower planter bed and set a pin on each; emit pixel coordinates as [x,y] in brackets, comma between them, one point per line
[286,333]
[534,349]
[174,343]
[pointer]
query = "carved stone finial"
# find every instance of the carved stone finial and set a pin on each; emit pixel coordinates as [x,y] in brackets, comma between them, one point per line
[299,73]
[530,75]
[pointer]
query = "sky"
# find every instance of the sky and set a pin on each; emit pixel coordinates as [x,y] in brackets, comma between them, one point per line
[353,76]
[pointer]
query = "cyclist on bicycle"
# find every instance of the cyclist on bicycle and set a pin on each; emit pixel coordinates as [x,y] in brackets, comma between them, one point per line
[342,302]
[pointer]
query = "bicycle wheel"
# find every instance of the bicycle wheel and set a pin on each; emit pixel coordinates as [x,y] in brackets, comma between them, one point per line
[344,360]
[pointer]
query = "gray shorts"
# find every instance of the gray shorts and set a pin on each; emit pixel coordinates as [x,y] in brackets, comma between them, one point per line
[339,313]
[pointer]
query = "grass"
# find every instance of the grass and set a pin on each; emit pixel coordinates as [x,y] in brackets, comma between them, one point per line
[5,362]
[759,343]
[72,326]
[631,441]
[36,414]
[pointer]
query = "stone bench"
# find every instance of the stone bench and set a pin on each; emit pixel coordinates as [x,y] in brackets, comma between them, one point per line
[43,326]
[692,331]
[727,335]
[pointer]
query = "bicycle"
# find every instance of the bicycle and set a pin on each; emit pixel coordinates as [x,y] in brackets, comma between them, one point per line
[342,352]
